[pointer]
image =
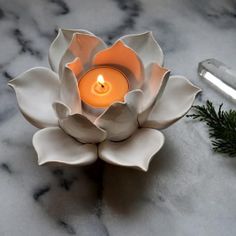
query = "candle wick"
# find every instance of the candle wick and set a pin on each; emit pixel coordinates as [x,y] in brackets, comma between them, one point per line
[102,85]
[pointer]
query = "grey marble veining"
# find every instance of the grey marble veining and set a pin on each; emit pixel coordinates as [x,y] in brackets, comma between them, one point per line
[189,190]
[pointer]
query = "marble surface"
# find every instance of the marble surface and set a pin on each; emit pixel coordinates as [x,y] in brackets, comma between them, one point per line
[189,190]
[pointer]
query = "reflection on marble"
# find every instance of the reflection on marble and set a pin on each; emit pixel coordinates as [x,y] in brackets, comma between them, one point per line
[189,190]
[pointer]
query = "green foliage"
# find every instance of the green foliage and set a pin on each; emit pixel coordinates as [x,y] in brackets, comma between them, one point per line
[221,125]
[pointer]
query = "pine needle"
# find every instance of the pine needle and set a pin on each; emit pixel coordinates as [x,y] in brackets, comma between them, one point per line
[221,126]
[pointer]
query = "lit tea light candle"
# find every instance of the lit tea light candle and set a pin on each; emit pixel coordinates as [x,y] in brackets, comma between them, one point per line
[102,86]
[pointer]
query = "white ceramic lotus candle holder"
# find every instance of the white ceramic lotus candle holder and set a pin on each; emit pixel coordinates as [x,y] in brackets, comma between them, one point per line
[125,133]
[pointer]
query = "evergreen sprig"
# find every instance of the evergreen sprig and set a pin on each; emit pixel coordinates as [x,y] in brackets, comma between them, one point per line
[221,126]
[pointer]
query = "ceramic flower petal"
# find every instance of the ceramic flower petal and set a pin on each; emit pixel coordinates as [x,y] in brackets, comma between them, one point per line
[54,145]
[76,66]
[175,102]
[78,126]
[36,90]
[62,110]
[136,151]
[156,78]
[134,100]
[84,47]
[118,120]
[60,44]
[146,47]
[123,57]
[69,92]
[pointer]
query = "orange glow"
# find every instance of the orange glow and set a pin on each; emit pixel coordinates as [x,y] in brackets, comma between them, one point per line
[102,86]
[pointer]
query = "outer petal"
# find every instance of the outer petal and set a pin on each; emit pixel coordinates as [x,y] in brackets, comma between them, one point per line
[137,151]
[118,120]
[84,47]
[69,91]
[54,145]
[60,44]
[36,90]
[175,102]
[123,57]
[146,47]
[78,126]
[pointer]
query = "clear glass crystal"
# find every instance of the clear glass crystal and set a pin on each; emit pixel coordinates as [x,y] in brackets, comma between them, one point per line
[219,75]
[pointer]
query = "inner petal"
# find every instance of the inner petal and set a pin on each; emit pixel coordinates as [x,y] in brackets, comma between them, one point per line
[124,58]
[155,77]
[76,66]
[84,47]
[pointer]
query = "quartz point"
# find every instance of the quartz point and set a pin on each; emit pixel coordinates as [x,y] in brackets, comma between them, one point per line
[218,75]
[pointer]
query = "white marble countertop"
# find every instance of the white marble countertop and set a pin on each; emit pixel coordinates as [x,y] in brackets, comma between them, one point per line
[189,190]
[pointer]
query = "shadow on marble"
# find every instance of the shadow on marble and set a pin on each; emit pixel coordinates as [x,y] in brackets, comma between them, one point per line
[91,190]
[127,190]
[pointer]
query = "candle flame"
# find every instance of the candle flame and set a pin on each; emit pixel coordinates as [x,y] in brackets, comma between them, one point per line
[100,80]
